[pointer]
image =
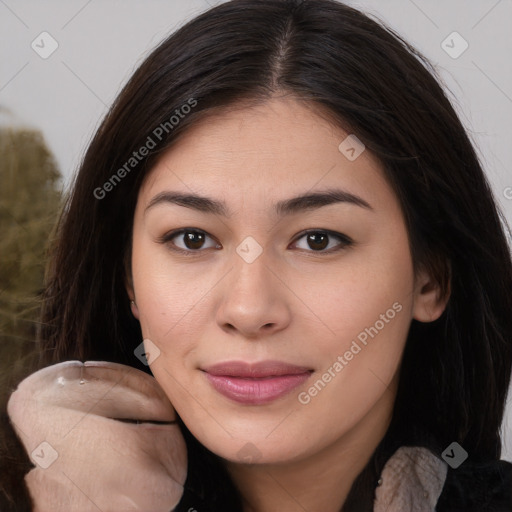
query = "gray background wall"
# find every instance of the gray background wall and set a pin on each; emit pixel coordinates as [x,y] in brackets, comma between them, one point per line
[101,42]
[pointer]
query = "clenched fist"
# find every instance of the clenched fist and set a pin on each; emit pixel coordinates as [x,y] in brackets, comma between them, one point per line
[102,436]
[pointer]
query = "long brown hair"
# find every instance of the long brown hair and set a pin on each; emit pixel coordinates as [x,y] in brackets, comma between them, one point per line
[456,370]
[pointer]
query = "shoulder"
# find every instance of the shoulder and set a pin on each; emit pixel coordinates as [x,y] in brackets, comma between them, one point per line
[477,487]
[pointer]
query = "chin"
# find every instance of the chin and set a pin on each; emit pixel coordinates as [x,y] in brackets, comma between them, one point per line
[250,450]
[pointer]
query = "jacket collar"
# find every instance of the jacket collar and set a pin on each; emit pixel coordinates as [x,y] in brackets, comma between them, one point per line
[412,479]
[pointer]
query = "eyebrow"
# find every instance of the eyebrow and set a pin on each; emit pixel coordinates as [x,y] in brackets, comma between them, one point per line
[307,201]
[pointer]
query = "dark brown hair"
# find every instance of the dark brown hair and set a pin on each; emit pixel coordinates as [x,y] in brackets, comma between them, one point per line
[456,370]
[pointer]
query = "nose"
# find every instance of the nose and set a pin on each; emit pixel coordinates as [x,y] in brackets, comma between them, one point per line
[254,300]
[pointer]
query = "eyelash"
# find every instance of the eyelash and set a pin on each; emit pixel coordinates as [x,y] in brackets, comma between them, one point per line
[346,241]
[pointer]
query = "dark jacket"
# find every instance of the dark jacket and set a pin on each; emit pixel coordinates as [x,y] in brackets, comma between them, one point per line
[472,487]
[485,487]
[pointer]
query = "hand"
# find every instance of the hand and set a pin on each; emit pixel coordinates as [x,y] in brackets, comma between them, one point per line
[69,419]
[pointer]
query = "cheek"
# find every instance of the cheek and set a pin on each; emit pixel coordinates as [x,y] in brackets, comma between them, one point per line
[357,364]
[368,309]
[359,371]
[361,297]
[170,297]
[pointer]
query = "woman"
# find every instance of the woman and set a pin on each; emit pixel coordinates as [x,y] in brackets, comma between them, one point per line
[284,206]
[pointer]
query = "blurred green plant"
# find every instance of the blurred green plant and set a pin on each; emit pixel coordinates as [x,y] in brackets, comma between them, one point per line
[30,199]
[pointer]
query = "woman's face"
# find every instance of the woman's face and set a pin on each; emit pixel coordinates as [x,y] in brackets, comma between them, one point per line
[243,282]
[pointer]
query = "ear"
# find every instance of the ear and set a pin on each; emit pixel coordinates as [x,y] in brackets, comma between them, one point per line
[429,303]
[128,283]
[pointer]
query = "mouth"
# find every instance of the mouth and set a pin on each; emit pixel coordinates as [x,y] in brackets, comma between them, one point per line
[256,383]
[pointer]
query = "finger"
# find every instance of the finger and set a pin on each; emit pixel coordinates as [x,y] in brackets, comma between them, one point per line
[106,389]
[47,492]
[135,468]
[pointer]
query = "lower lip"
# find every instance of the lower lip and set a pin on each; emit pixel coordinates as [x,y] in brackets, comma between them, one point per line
[256,391]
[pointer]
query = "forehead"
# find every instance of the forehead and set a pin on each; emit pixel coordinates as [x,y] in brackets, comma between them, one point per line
[270,150]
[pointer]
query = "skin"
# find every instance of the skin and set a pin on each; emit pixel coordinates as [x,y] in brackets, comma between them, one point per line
[68,417]
[292,303]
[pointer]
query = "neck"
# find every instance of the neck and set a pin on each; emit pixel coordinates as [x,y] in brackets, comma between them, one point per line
[321,481]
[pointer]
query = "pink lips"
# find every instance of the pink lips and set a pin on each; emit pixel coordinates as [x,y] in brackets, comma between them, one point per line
[257,383]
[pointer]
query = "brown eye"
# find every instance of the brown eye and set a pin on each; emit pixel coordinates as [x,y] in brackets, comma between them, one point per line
[188,240]
[193,239]
[318,241]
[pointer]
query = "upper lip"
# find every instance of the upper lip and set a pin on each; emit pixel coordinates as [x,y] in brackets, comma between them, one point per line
[255,370]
